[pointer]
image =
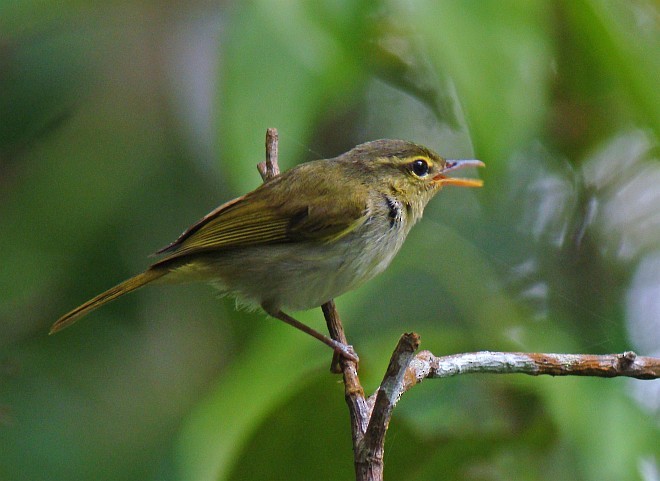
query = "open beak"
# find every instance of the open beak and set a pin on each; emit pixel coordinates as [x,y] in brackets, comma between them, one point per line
[452,165]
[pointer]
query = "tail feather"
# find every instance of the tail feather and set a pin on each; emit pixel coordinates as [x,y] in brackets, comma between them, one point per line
[111,294]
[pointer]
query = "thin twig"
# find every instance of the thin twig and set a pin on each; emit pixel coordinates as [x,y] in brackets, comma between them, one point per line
[358,408]
[627,364]
[271,167]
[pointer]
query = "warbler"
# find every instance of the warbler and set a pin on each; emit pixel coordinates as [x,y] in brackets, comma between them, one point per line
[306,236]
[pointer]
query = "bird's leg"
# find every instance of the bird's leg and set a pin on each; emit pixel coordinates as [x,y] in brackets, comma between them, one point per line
[343,349]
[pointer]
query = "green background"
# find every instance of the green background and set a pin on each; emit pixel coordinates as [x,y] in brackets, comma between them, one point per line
[122,123]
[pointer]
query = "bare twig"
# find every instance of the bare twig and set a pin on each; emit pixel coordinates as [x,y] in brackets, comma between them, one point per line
[627,364]
[359,409]
[270,168]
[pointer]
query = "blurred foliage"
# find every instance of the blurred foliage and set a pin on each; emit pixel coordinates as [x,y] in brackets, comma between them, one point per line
[121,124]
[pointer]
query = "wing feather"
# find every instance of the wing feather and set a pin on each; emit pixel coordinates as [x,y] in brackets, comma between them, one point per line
[260,217]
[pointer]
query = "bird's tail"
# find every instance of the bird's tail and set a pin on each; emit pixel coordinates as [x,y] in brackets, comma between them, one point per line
[125,287]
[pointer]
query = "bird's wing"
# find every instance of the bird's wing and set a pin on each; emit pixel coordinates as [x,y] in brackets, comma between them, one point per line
[324,219]
[254,219]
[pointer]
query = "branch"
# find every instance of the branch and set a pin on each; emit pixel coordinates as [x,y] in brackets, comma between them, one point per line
[358,407]
[627,364]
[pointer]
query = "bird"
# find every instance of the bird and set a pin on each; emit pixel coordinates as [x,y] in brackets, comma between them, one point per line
[305,236]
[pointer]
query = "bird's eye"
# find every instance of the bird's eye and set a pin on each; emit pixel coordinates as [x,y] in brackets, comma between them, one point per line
[420,167]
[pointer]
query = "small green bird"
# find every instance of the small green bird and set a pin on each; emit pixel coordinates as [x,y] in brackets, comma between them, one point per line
[306,236]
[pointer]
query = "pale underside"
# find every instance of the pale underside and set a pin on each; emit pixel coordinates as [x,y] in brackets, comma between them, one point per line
[297,276]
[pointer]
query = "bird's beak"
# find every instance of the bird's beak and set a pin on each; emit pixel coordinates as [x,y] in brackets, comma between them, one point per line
[452,165]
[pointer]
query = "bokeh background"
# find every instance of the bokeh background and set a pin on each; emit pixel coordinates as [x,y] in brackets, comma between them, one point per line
[122,123]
